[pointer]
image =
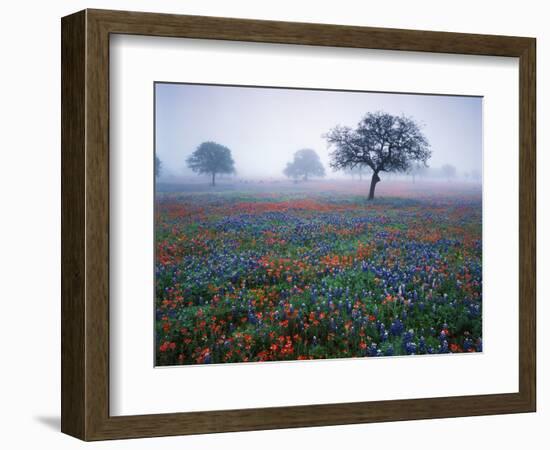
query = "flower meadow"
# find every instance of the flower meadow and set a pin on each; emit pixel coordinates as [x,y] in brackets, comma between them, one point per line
[260,276]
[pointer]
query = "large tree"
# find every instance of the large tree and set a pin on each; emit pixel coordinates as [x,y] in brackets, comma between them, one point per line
[211,158]
[381,141]
[305,163]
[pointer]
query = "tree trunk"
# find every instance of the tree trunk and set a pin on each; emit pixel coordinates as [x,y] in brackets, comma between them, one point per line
[375,179]
[213,178]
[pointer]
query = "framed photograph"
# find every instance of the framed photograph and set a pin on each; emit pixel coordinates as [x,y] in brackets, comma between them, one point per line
[273,225]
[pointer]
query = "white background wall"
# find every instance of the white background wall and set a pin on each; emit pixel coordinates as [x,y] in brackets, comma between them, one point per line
[30,220]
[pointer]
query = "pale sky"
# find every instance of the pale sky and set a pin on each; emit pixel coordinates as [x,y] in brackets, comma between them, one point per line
[263,127]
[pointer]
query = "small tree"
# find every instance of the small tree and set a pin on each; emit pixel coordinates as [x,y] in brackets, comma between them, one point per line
[417,170]
[306,163]
[448,171]
[359,170]
[158,166]
[383,142]
[211,158]
[476,175]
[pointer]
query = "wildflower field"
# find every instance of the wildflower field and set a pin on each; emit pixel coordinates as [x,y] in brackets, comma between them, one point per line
[248,275]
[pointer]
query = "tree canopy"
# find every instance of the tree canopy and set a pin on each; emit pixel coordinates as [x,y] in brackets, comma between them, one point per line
[448,171]
[381,141]
[211,158]
[305,164]
[158,166]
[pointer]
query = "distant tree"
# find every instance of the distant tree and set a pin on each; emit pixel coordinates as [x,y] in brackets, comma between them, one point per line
[383,142]
[360,170]
[417,170]
[476,175]
[448,171]
[158,166]
[306,163]
[211,158]
[291,171]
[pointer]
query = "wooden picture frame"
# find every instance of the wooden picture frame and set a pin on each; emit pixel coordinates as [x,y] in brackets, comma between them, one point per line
[85,224]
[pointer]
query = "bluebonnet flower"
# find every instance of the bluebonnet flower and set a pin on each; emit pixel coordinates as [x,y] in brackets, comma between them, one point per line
[444,347]
[373,349]
[422,345]
[410,348]
[396,327]
[408,336]
[223,264]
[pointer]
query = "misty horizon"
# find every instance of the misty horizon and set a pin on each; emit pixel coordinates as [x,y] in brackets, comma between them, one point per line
[263,127]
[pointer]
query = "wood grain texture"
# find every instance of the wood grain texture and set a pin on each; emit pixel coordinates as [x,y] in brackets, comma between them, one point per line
[152,24]
[527,224]
[73,227]
[85,224]
[97,226]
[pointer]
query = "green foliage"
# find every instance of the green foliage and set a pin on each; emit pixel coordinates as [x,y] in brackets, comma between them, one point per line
[211,158]
[158,166]
[306,163]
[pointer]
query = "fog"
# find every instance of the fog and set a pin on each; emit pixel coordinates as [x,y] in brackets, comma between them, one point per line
[263,127]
